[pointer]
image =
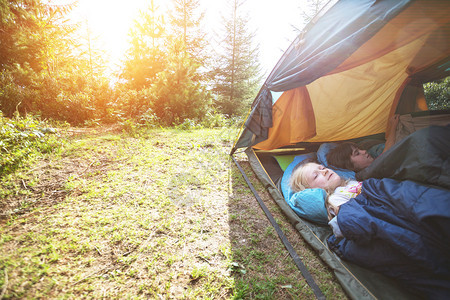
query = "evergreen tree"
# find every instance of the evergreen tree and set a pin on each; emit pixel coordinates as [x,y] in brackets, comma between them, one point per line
[33,45]
[88,51]
[186,21]
[17,27]
[237,72]
[146,56]
[43,69]
[30,31]
[177,93]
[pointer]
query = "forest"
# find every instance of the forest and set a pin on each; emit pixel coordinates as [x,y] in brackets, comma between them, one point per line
[51,68]
[51,71]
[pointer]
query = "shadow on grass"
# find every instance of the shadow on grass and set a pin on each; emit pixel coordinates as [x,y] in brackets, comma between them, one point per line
[261,265]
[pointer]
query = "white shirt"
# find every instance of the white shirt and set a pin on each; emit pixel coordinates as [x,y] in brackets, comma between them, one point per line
[340,196]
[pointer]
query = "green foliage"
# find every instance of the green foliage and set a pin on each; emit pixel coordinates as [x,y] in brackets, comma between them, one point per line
[18,27]
[142,66]
[21,138]
[163,83]
[215,120]
[186,20]
[237,74]
[188,124]
[177,92]
[51,69]
[30,32]
[132,103]
[44,71]
[146,56]
[74,99]
[12,94]
[137,126]
[437,94]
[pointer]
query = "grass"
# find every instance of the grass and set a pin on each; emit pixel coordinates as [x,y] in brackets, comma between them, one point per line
[163,214]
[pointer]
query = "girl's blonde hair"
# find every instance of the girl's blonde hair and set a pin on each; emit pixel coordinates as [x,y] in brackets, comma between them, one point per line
[298,182]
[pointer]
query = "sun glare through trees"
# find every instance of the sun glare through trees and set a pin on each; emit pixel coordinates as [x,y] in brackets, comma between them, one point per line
[152,62]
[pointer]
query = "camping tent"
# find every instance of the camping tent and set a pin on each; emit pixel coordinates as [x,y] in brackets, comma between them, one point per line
[354,65]
[351,64]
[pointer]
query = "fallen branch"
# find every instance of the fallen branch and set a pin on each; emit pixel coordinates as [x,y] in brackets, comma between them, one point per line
[99,252]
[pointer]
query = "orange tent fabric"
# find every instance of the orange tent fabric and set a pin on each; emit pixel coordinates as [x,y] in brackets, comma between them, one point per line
[357,98]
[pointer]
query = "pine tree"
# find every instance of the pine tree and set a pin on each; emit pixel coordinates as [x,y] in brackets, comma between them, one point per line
[177,93]
[146,56]
[186,21]
[89,51]
[237,71]
[34,48]
[29,31]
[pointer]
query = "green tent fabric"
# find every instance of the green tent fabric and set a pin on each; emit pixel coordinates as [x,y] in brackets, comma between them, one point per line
[284,160]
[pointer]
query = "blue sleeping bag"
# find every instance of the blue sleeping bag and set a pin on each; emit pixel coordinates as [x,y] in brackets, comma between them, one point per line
[401,229]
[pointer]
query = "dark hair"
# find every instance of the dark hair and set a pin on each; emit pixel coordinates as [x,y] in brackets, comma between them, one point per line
[340,156]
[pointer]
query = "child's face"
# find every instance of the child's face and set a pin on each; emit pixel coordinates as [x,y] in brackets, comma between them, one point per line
[317,176]
[360,159]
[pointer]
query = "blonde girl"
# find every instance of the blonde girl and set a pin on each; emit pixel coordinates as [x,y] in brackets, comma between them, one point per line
[310,175]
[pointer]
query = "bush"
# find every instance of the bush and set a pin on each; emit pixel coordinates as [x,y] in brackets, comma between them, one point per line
[214,119]
[21,138]
[67,97]
[437,94]
[148,119]
[132,103]
[188,124]
[75,101]
[15,91]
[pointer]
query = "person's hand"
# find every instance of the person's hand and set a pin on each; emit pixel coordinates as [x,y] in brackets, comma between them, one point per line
[393,122]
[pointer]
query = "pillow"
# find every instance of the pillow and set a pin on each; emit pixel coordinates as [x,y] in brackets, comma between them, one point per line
[284,160]
[322,159]
[308,204]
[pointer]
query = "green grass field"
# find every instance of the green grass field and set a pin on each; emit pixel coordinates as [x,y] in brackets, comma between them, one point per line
[160,214]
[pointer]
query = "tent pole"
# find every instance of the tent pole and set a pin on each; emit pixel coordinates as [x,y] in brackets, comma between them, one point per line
[309,279]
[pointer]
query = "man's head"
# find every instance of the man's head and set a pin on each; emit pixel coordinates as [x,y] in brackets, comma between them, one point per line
[349,156]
